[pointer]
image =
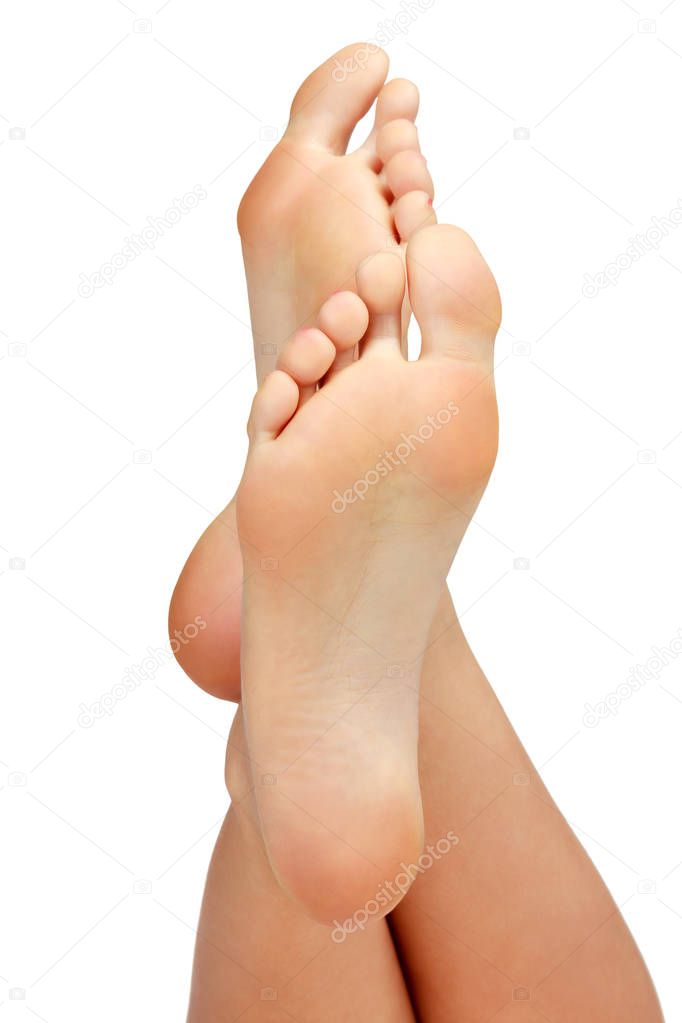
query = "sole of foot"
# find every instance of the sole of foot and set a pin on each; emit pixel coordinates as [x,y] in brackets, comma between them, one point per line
[310,216]
[314,211]
[353,502]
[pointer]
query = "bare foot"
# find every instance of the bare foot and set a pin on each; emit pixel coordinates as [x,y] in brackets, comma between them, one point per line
[313,212]
[353,502]
[309,218]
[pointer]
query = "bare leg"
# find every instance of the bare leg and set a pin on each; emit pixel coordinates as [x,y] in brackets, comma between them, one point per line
[260,960]
[515,924]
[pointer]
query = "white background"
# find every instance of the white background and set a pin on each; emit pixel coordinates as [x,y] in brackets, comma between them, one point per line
[117,124]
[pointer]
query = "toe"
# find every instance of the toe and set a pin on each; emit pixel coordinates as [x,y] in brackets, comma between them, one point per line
[407,172]
[381,286]
[399,99]
[307,356]
[274,405]
[344,318]
[411,212]
[337,95]
[396,136]
[453,293]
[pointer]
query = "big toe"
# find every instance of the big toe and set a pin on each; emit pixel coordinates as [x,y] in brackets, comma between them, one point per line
[337,95]
[453,293]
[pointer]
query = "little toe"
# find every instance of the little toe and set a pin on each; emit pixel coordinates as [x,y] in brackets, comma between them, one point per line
[275,403]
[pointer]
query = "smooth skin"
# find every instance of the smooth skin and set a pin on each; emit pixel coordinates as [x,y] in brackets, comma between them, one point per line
[516,923]
[259,958]
[337,596]
[311,215]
